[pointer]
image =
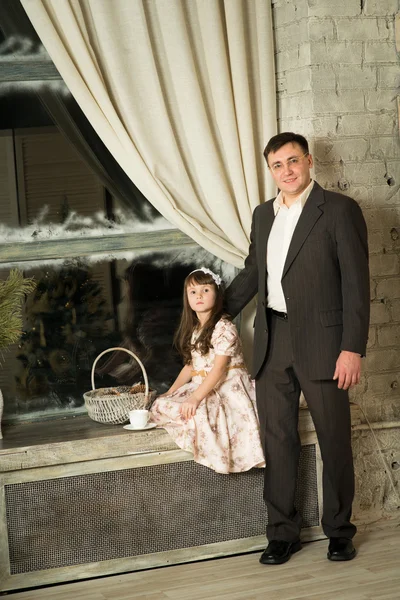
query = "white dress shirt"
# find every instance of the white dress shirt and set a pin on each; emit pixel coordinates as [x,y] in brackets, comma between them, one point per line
[281,234]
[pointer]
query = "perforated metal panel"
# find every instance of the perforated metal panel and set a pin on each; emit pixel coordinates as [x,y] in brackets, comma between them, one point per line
[102,516]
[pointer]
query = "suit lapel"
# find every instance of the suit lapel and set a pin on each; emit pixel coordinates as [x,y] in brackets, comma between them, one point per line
[309,216]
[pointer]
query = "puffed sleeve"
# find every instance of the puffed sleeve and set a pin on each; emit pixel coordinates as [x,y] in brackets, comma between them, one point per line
[225,338]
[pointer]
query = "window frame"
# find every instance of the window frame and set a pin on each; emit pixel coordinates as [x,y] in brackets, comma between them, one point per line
[69,248]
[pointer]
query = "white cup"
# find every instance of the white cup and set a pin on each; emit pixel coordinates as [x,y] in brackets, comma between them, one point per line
[139,418]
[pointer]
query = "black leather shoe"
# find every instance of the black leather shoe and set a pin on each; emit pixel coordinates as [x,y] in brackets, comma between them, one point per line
[341,549]
[279,552]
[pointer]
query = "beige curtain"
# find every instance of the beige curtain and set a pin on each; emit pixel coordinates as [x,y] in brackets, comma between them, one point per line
[182,92]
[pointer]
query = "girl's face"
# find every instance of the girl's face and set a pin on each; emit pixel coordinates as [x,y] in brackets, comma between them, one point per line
[201,298]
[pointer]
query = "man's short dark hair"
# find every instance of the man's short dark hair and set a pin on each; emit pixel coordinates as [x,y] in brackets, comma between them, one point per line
[287,137]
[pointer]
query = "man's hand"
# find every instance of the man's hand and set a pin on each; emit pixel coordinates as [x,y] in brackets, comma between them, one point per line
[348,369]
[189,407]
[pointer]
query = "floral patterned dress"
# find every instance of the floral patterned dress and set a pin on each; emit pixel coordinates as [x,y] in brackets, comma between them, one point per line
[224,433]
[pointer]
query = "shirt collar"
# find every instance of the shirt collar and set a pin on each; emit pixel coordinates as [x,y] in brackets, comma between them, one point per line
[302,198]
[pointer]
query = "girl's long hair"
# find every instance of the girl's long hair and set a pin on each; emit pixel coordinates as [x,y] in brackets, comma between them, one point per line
[189,321]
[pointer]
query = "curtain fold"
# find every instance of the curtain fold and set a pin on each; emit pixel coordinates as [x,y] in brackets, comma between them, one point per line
[182,93]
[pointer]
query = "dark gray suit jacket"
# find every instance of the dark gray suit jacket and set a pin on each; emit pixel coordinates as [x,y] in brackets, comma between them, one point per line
[325,282]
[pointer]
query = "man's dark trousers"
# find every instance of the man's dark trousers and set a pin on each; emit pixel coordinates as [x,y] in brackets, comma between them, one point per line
[278,387]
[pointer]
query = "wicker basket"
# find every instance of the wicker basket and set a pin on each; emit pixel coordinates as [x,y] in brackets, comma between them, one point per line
[112,405]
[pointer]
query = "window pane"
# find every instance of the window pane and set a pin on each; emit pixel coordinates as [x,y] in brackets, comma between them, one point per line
[57,171]
[78,310]
[56,182]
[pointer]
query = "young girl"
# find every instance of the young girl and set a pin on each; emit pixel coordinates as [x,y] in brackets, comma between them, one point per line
[210,408]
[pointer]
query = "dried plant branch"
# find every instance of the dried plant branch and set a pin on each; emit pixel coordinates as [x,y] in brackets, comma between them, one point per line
[12,293]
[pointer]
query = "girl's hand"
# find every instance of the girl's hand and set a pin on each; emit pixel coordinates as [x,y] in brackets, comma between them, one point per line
[189,407]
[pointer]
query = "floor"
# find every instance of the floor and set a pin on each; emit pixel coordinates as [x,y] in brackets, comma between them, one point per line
[373,575]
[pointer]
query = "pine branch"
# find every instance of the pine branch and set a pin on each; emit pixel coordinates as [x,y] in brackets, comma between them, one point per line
[12,293]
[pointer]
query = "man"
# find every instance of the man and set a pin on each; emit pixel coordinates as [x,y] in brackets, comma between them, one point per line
[308,262]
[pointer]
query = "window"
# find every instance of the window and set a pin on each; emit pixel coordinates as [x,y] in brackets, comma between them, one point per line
[105,277]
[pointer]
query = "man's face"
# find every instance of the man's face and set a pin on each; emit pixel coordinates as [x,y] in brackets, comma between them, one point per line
[290,169]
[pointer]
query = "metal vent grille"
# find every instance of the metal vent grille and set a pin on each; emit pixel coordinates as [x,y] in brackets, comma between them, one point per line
[103,516]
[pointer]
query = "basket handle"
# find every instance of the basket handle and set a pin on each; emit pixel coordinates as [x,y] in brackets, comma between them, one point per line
[146,382]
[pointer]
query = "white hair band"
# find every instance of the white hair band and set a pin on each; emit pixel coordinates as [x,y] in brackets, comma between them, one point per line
[216,277]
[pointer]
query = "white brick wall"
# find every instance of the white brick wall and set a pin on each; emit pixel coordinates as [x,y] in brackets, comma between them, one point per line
[379,52]
[389,76]
[380,100]
[326,8]
[389,288]
[342,78]
[352,149]
[358,77]
[286,11]
[380,7]
[340,102]
[364,29]
[335,52]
